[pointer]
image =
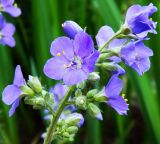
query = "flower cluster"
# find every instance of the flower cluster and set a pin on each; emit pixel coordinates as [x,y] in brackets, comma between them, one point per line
[7,29]
[76,63]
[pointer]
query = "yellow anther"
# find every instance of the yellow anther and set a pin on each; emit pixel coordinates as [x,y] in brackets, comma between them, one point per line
[123,95]
[58,54]
[63,52]
[15,5]
[65,66]
[126,100]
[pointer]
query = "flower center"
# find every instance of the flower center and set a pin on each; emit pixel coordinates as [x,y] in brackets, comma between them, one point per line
[1,35]
[77,63]
[1,8]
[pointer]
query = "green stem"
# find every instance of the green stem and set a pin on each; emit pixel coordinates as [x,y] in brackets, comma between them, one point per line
[111,39]
[48,139]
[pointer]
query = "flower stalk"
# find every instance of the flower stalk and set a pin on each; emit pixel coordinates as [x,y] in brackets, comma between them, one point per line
[111,39]
[49,136]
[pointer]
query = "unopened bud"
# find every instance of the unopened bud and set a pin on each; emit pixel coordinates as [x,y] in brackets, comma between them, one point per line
[72,130]
[27,90]
[71,28]
[93,110]
[91,93]
[74,119]
[100,97]
[37,102]
[93,77]
[81,102]
[66,135]
[104,56]
[30,101]
[125,30]
[78,92]
[109,66]
[81,85]
[35,84]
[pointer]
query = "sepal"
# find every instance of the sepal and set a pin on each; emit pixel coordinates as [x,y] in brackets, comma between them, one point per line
[81,102]
[93,77]
[93,110]
[35,84]
[26,90]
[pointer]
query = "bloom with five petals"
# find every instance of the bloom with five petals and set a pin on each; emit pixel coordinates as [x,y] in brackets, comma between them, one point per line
[73,59]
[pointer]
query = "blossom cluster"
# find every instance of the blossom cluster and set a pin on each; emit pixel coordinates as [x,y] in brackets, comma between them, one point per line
[76,63]
[7,29]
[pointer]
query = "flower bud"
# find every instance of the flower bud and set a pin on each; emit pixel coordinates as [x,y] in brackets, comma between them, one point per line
[27,90]
[35,84]
[100,97]
[94,111]
[78,92]
[125,30]
[29,101]
[104,56]
[71,28]
[91,93]
[81,102]
[66,135]
[37,102]
[81,85]
[93,77]
[75,119]
[72,130]
[109,66]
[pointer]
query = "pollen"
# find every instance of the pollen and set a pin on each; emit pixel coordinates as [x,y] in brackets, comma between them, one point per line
[123,95]
[63,52]
[15,5]
[64,66]
[58,54]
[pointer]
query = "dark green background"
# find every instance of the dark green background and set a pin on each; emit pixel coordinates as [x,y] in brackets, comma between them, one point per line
[38,25]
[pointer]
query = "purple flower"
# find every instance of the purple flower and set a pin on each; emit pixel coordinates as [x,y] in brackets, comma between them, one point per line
[6,33]
[71,28]
[73,59]
[112,91]
[104,34]
[9,7]
[136,55]
[12,93]
[138,20]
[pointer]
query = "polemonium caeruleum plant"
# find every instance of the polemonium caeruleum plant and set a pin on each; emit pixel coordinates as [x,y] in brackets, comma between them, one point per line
[76,64]
[6,29]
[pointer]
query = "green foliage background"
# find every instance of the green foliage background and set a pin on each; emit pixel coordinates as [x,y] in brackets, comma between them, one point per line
[38,25]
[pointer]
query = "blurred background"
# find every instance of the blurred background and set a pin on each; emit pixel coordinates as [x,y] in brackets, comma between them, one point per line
[38,25]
